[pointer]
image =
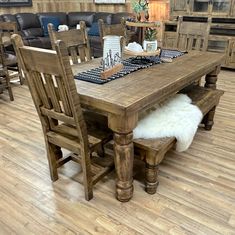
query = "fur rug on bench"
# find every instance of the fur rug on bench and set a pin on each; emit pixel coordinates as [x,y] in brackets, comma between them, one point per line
[176,117]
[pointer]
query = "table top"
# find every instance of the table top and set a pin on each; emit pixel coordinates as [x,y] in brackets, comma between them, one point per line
[145,87]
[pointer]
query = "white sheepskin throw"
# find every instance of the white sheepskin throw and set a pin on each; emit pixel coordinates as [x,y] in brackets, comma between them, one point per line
[176,117]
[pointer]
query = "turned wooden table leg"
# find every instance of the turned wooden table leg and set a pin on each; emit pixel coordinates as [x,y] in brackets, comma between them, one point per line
[211,78]
[124,154]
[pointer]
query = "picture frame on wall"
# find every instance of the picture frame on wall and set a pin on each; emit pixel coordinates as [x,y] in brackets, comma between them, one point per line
[109,1]
[15,3]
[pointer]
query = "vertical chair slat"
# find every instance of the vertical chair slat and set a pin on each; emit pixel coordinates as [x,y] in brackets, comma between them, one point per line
[82,53]
[63,96]
[190,42]
[37,78]
[74,54]
[52,93]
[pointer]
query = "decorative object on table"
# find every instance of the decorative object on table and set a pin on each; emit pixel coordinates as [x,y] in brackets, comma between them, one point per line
[110,1]
[112,56]
[134,47]
[150,41]
[131,65]
[63,27]
[170,53]
[94,75]
[144,4]
[140,6]
[16,3]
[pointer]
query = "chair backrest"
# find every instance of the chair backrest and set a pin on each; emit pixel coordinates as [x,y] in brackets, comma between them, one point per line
[6,30]
[76,41]
[192,35]
[114,29]
[51,83]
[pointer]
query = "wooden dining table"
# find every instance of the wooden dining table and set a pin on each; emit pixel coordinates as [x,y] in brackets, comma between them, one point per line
[122,100]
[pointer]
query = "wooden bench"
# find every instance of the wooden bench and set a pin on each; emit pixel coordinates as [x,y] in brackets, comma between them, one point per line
[152,151]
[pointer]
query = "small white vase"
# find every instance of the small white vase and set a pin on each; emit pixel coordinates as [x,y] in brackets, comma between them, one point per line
[150,45]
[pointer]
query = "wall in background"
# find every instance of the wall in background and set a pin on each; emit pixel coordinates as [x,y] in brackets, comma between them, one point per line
[159,9]
[65,5]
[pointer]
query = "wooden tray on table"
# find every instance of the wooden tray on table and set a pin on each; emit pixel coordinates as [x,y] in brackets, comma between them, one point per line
[142,54]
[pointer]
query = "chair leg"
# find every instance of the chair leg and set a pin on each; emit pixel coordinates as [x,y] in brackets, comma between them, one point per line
[21,77]
[87,176]
[52,157]
[9,86]
[151,178]
[10,93]
[209,119]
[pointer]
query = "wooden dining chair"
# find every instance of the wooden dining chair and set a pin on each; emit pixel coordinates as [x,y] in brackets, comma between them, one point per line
[76,41]
[114,29]
[192,35]
[4,74]
[64,123]
[11,63]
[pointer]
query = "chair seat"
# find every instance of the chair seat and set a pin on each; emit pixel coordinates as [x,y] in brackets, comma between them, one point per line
[67,135]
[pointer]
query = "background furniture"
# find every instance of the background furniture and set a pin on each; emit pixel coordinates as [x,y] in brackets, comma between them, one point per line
[222,31]
[116,29]
[76,41]
[122,99]
[215,8]
[54,93]
[192,36]
[31,29]
[141,26]
[10,60]
[4,75]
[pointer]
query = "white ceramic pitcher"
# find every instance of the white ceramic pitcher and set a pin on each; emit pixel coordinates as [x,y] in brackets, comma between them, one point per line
[112,43]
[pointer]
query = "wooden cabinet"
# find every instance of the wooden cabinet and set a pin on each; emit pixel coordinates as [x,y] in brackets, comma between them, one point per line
[179,6]
[224,8]
[230,58]
[222,32]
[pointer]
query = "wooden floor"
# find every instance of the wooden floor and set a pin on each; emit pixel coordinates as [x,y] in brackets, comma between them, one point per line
[196,194]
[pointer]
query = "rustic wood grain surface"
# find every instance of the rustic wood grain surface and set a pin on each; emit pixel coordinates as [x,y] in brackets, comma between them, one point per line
[132,92]
[196,193]
[123,98]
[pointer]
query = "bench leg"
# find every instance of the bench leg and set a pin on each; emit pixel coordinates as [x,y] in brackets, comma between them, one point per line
[151,178]
[209,119]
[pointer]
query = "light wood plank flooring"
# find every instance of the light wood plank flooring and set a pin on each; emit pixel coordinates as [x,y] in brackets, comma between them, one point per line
[196,194]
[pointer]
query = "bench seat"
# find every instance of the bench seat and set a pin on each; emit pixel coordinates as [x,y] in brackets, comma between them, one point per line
[152,151]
